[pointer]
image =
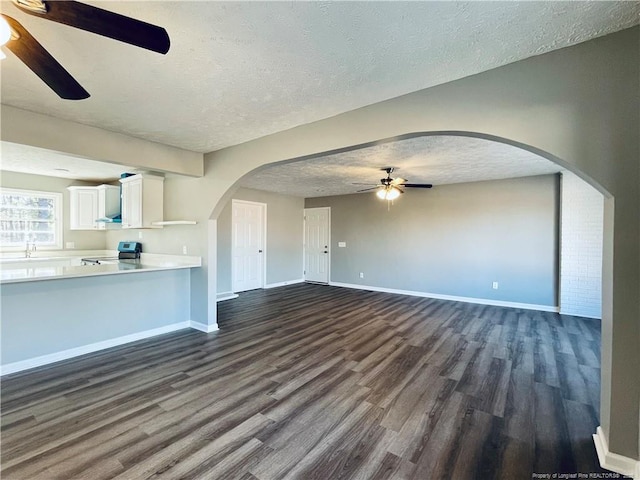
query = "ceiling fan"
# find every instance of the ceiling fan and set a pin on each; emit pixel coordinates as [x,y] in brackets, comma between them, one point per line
[79,15]
[389,188]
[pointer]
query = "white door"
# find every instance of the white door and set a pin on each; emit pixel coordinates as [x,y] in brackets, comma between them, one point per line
[247,245]
[317,238]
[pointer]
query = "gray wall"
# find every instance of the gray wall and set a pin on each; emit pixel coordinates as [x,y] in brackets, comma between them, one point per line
[452,240]
[83,239]
[284,237]
[50,316]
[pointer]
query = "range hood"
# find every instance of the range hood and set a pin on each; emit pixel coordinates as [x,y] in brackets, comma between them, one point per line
[117,217]
[110,219]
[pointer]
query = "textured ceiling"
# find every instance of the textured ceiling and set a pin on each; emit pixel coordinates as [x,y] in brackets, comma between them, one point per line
[38,161]
[241,70]
[431,159]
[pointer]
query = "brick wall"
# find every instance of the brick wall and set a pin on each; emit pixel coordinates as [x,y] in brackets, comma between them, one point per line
[581,226]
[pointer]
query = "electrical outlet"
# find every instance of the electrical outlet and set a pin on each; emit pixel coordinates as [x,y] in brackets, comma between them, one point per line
[495,285]
[342,244]
[140,235]
[184,249]
[361,274]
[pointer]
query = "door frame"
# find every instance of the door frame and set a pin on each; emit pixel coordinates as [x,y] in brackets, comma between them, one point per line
[263,214]
[304,239]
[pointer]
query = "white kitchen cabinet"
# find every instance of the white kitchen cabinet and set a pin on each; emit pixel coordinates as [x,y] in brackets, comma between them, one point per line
[87,204]
[142,201]
[83,208]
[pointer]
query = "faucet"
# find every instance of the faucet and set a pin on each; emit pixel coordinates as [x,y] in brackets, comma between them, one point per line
[31,247]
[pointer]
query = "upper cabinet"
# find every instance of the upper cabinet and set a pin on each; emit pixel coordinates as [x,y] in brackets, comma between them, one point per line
[83,209]
[142,201]
[88,204]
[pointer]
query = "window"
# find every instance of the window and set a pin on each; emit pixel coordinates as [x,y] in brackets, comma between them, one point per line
[30,216]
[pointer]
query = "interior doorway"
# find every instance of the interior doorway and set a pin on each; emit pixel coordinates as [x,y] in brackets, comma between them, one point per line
[248,239]
[317,240]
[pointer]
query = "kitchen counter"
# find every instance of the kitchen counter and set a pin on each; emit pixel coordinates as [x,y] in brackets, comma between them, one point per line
[53,268]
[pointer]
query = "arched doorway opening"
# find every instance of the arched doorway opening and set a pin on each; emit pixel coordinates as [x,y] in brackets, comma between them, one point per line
[463,157]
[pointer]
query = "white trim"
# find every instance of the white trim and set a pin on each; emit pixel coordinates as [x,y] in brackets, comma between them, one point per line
[303,273]
[59,219]
[613,461]
[480,301]
[264,244]
[90,348]
[222,296]
[574,314]
[282,284]
[212,273]
[202,327]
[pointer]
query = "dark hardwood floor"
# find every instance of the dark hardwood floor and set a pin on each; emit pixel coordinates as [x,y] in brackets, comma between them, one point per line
[318,382]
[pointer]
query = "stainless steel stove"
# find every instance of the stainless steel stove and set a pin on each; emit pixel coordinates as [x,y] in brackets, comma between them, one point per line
[128,252]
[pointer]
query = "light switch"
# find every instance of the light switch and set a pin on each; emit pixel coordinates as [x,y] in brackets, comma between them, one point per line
[342,244]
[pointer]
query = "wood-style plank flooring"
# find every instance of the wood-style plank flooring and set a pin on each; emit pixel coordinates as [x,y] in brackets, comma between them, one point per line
[317,382]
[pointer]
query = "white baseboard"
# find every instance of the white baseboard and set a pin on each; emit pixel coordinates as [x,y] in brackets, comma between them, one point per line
[480,301]
[222,296]
[282,284]
[579,314]
[203,327]
[92,347]
[613,461]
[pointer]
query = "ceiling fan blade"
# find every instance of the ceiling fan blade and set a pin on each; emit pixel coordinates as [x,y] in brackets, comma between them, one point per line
[367,189]
[370,184]
[417,185]
[105,23]
[34,56]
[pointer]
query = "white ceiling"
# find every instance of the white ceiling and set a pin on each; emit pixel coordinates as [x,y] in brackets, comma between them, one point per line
[241,70]
[437,160]
[15,157]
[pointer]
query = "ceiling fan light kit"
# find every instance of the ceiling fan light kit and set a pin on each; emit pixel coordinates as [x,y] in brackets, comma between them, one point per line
[388,193]
[85,17]
[389,188]
[5,32]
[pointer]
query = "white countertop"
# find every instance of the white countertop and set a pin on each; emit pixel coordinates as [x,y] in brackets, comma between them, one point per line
[57,267]
[7,258]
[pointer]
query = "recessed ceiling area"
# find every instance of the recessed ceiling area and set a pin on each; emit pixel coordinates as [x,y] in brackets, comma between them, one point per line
[15,157]
[437,159]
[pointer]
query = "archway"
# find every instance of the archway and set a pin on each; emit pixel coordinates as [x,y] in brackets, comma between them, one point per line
[371,153]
